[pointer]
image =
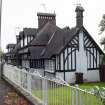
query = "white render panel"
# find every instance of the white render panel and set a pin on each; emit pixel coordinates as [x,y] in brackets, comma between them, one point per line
[60,75]
[66,65]
[73,60]
[21,43]
[88,62]
[56,62]
[69,50]
[95,58]
[91,58]
[66,59]
[25,42]
[69,61]
[61,61]
[93,76]
[81,56]
[70,77]
[98,58]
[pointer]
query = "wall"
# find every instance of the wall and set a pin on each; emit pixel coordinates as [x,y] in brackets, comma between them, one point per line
[81,65]
[93,76]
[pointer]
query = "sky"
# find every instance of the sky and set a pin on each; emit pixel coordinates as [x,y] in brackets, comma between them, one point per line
[17,14]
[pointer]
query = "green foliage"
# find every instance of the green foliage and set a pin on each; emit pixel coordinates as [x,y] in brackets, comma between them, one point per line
[102,59]
[100,93]
[102,25]
[102,29]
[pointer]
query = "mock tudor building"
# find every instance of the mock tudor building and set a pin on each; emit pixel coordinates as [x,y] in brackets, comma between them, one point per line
[10,55]
[56,51]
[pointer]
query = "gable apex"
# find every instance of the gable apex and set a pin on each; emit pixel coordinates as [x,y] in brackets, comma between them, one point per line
[87,33]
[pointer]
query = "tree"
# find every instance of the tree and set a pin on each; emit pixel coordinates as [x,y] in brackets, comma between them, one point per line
[102,29]
[1,53]
[102,24]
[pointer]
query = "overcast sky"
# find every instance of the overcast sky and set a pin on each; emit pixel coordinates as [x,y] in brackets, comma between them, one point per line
[23,13]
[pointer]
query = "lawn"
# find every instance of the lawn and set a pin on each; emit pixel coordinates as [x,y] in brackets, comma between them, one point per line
[91,85]
[62,95]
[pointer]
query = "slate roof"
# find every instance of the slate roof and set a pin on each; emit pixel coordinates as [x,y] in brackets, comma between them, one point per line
[28,31]
[53,40]
[10,45]
[41,40]
[35,52]
[50,40]
[58,42]
[44,34]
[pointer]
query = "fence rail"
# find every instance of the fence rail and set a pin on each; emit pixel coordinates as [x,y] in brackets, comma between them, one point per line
[49,91]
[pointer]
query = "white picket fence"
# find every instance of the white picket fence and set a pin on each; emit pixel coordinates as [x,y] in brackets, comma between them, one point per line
[49,91]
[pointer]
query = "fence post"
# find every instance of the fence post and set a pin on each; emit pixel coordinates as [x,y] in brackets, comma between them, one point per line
[72,95]
[29,82]
[19,77]
[77,95]
[45,91]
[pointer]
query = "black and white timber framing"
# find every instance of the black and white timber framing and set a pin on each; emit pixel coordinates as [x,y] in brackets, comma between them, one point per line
[59,52]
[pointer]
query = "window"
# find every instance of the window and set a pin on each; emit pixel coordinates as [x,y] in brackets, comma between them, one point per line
[38,64]
[49,65]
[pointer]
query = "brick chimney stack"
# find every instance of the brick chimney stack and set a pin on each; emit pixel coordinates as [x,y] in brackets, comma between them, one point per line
[79,16]
[43,18]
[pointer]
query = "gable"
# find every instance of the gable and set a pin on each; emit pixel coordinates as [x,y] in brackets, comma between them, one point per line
[89,42]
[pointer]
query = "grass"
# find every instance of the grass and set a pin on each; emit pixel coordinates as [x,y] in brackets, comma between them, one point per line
[91,85]
[62,95]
